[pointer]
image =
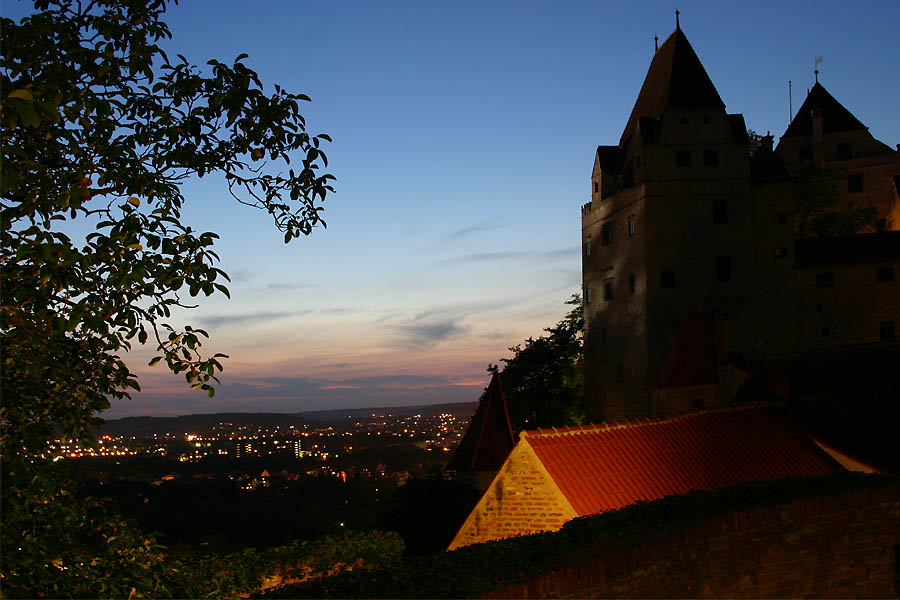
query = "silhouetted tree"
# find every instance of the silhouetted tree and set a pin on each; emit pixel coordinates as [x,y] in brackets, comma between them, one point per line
[543,381]
[427,512]
[99,127]
[818,210]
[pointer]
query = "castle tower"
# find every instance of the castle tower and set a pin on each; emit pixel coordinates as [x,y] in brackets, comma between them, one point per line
[667,227]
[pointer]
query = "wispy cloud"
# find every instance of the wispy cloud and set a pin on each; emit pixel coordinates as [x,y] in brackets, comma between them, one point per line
[290,286]
[488,225]
[251,317]
[481,257]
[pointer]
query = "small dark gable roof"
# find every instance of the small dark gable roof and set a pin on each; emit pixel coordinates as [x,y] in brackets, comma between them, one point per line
[608,158]
[676,79]
[834,116]
[489,438]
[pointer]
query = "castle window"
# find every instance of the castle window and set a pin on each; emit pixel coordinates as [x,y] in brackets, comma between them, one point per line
[637,161]
[884,274]
[606,234]
[779,218]
[608,288]
[781,252]
[804,153]
[631,285]
[886,330]
[683,157]
[824,331]
[684,121]
[854,183]
[824,280]
[723,269]
[706,119]
[667,278]
[710,157]
[587,248]
[697,403]
[596,187]
[720,211]
[588,295]
[842,151]
[620,372]
[631,228]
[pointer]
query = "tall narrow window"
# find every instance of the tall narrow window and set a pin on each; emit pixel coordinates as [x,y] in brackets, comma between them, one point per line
[723,269]
[587,248]
[720,211]
[620,372]
[596,187]
[588,295]
[608,288]
[631,226]
[606,234]
[854,183]
[631,284]
[667,278]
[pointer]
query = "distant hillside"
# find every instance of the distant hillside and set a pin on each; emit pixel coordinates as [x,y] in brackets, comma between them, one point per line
[203,424]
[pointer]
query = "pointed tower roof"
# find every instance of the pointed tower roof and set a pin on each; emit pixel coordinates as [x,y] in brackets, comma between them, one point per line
[692,360]
[489,438]
[834,116]
[676,79]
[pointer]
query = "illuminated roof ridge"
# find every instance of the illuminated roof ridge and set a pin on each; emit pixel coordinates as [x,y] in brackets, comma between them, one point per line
[630,423]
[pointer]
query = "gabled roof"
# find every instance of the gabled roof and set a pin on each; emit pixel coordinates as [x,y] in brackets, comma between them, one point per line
[834,116]
[608,158]
[693,359]
[676,79]
[489,438]
[611,465]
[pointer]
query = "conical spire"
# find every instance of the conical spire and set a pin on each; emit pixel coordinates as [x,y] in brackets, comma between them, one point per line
[676,79]
[834,116]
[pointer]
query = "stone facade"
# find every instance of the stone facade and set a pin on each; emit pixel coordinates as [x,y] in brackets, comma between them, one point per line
[681,217]
[522,499]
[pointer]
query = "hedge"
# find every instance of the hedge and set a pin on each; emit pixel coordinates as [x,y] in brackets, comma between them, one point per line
[473,570]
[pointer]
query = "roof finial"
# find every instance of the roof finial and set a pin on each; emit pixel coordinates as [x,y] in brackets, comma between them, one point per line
[677,24]
[819,59]
[656,43]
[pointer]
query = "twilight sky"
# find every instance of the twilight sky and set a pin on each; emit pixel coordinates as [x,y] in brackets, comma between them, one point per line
[464,135]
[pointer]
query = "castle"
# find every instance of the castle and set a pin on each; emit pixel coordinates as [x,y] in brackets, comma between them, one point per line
[698,259]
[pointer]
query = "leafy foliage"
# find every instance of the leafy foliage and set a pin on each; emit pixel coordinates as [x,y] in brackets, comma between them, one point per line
[543,381]
[99,130]
[819,211]
[471,571]
[427,512]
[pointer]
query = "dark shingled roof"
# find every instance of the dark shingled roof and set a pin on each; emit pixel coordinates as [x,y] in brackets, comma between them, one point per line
[676,79]
[489,438]
[834,116]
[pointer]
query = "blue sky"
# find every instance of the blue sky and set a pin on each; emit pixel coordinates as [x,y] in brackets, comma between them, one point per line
[463,135]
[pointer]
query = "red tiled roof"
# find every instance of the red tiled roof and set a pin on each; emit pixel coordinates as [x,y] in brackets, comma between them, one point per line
[489,437]
[611,465]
